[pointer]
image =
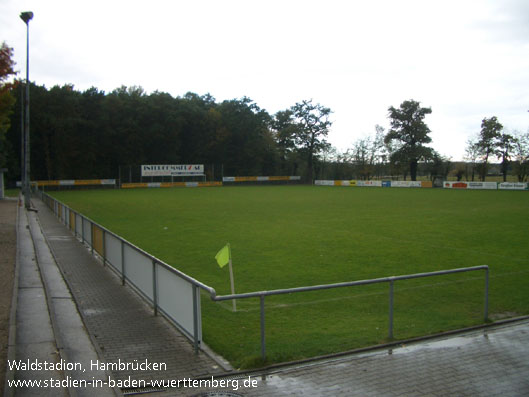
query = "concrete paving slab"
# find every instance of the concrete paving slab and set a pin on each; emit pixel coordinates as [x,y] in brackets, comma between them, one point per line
[33,319]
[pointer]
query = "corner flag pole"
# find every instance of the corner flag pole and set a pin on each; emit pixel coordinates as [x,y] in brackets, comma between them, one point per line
[232,285]
[223,258]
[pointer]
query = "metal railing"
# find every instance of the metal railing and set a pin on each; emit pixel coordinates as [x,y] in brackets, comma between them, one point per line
[391,280]
[168,290]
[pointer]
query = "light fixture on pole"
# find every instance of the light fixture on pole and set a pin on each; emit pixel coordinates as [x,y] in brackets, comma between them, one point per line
[26,17]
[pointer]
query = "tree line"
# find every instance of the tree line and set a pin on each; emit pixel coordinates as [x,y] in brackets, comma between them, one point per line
[91,134]
[403,151]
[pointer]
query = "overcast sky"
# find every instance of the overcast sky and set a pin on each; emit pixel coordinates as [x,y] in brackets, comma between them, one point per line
[465,59]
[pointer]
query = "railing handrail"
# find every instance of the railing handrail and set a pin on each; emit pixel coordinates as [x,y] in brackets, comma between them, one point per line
[257,294]
[262,294]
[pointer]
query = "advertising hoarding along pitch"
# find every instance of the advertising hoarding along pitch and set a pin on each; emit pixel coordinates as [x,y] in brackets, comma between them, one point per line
[406,184]
[513,186]
[470,185]
[172,170]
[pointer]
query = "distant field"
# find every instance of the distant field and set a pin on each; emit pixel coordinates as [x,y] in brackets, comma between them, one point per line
[290,236]
[12,192]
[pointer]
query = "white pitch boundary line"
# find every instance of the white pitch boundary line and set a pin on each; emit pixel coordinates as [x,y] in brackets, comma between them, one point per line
[250,301]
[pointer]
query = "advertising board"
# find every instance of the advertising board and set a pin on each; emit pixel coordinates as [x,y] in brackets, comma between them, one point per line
[320,182]
[172,170]
[405,183]
[470,185]
[369,183]
[513,186]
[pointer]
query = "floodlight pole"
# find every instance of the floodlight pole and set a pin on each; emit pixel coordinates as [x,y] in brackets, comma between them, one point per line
[26,17]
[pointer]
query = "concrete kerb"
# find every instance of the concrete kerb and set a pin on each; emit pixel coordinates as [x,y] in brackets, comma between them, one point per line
[61,346]
[12,338]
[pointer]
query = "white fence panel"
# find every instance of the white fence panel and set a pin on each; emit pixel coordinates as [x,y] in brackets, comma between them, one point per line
[175,298]
[113,251]
[138,270]
[87,231]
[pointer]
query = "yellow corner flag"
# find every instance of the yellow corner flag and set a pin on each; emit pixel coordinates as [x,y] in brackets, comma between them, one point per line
[223,256]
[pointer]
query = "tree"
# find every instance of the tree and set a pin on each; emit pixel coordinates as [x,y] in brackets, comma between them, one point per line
[285,131]
[521,155]
[439,166]
[378,150]
[313,125]
[367,154]
[488,141]
[411,134]
[472,154]
[505,148]
[249,146]
[6,99]
[360,158]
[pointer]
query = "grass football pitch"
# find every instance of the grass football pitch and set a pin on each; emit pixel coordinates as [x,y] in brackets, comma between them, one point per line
[292,236]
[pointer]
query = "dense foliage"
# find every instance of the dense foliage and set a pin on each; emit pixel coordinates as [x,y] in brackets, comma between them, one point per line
[91,134]
[6,99]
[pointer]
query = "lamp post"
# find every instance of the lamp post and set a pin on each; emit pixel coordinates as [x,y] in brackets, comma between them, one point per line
[26,17]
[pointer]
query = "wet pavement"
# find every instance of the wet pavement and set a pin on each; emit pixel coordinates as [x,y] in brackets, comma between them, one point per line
[489,362]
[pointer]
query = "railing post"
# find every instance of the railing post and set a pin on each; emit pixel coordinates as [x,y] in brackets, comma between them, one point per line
[82,228]
[75,223]
[154,289]
[195,319]
[390,332]
[104,249]
[263,345]
[486,309]
[122,262]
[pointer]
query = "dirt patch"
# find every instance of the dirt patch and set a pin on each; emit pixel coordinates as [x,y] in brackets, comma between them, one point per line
[504,315]
[8,248]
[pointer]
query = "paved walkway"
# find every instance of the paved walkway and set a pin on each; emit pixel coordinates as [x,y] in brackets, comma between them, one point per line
[490,362]
[117,326]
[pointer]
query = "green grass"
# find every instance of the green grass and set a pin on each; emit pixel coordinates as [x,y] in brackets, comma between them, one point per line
[291,236]
[12,192]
